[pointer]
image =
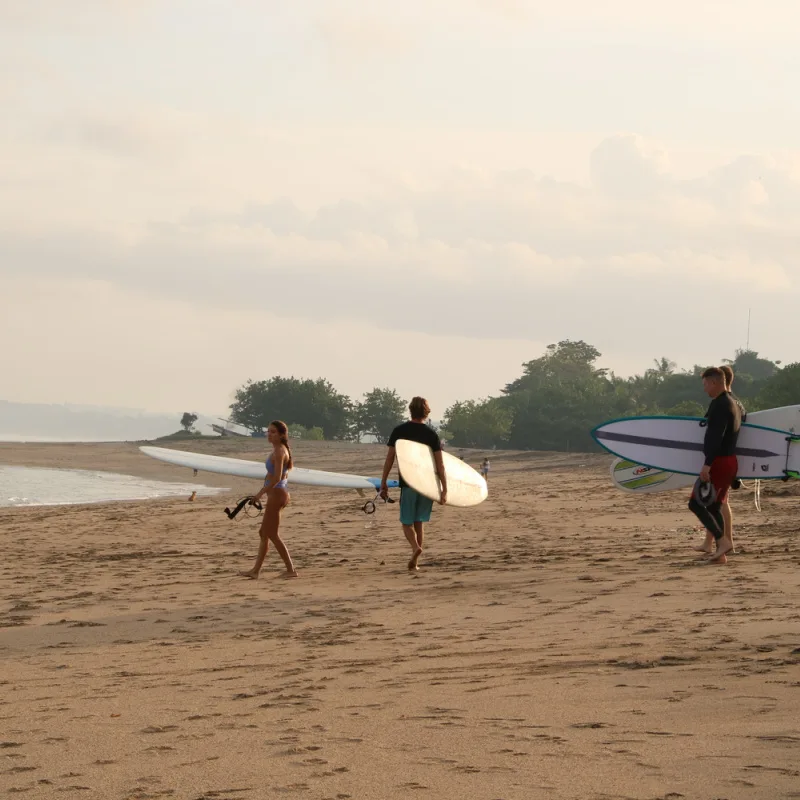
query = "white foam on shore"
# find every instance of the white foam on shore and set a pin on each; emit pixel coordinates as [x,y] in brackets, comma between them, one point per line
[37,486]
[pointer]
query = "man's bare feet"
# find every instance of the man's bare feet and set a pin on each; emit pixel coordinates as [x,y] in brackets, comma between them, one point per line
[291,574]
[719,555]
[252,574]
[708,550]
[412,565]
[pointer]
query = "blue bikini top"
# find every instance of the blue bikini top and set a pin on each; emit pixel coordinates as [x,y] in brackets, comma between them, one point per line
[269,464]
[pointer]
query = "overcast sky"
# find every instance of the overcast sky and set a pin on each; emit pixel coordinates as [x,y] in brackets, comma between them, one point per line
[420,195]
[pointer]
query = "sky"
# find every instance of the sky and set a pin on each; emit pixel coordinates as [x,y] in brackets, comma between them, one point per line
[421,196]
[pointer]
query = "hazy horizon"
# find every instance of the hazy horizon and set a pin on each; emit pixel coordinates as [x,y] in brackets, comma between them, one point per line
[420,198]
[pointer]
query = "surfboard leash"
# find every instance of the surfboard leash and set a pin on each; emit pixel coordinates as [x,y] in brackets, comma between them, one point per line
[756,487]
[371,506]
[244,503]
[791,439]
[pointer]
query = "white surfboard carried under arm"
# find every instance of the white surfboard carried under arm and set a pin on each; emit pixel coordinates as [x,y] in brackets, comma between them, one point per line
[416,462]
[675,444]
[243,468]
[629,476]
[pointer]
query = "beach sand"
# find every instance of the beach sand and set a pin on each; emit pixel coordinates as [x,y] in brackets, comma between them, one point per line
[560,641]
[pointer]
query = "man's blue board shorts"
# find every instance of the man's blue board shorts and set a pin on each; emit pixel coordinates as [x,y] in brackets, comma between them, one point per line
[414,507]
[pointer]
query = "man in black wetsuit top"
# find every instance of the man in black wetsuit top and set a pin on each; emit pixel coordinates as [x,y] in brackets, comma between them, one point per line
[724,420]
[727,515]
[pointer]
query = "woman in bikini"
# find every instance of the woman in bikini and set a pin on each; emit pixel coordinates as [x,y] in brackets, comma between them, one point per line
[279,462]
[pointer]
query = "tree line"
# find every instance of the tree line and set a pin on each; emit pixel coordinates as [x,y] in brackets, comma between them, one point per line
[552,405]
[314,409]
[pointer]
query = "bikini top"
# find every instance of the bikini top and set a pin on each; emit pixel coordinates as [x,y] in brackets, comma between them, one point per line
[269,465]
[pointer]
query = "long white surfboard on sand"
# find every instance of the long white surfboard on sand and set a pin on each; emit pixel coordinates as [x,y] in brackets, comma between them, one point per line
[465,486]
[675,444]
[242,468]
[638,479]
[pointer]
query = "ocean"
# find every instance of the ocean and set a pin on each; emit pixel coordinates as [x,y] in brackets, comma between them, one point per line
[35,486]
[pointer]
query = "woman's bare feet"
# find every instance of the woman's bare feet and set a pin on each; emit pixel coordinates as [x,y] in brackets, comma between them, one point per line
[253,575]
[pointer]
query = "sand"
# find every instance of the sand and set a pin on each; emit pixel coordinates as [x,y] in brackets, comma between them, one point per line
[560,641]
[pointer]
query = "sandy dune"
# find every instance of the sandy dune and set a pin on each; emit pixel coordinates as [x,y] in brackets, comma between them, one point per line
[560,641]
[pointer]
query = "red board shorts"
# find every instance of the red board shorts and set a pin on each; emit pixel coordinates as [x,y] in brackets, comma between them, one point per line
[723,474]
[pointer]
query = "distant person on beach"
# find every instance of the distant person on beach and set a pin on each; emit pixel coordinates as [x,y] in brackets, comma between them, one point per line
[724,420]
[727,515]
[415,509]
[278,464]
[485,469]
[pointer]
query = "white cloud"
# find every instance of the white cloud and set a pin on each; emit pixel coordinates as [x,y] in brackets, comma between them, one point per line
[353,39]
[474,273]
[72,15]
[709,20]
[82,339]
[526,255]
[455,182]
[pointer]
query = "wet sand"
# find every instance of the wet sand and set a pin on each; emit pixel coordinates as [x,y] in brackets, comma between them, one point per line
[560,641]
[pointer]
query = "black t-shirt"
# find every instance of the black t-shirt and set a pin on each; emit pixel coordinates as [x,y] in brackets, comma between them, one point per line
[415,432]
[722,432]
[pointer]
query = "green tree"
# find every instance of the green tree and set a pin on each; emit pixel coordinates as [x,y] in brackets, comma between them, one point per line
[654,395]
[751,374]
[748,362]
[306,434]
[563,363]
[561,396]
[378,413]
[663,369]
[478,424]
[782,389]
[187,420]
[308,403]
[688,408]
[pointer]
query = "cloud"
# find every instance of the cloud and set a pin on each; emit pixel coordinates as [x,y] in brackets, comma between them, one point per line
[352,39]
[637,261]
[512,10]
[74,15]
[115,345]
[382,176]
[123,135]
[711,19]
[522,253]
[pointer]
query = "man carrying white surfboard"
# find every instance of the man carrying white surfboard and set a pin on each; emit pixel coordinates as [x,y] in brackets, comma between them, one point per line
[415,508]
[724,420]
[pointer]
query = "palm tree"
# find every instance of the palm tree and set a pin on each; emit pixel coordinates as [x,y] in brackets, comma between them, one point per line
[663,369]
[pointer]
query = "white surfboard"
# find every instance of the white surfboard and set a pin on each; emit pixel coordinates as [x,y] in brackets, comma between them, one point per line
[465,486]
[242,468]
[637,479]
[675,444]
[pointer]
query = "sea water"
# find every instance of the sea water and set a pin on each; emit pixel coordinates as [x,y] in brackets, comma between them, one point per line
[35,486]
